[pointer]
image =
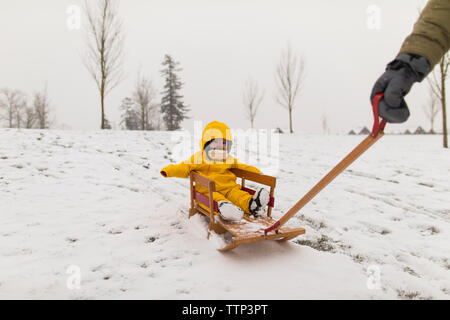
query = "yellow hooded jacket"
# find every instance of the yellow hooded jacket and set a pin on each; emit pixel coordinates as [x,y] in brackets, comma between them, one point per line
[226,187]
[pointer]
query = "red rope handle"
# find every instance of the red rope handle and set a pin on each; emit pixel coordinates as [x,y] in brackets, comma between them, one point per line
[377,126]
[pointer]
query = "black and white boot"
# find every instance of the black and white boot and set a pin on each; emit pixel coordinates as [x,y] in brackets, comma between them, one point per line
[259,202]
[229,211]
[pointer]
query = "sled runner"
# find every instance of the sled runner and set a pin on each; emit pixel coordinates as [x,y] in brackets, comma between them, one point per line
[248,230]
[260,229]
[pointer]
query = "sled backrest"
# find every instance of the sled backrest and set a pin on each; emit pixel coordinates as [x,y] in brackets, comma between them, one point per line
[258,178]
[196,178]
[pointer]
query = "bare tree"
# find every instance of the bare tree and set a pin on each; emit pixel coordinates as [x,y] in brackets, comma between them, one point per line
[155,116]
[41,105]
[129,118]
[431,109]
[30,117]
[14,103]
[437,81]
[252,99]
[19,112]
[144,96]
[104,58]
[290,76]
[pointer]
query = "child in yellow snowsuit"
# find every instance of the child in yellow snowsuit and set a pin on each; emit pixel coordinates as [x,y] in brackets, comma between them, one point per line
[214,162]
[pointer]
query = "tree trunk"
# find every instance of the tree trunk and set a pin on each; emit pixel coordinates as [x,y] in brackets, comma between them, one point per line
[143,118]
[10,117]
[444,107]
[444,116]
[18,119]
[102,102]
[290,120]
[102,95]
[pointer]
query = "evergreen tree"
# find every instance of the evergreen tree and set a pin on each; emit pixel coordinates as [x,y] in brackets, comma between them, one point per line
[173,108]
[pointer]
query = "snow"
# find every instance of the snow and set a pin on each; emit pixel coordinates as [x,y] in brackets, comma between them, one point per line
[92,206]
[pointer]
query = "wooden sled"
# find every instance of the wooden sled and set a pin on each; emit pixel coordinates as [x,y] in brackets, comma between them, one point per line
[260,229]
[248,230]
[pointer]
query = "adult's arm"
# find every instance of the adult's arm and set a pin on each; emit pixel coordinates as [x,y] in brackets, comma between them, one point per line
[430,37]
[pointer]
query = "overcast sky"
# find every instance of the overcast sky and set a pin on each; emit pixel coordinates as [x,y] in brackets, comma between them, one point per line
[219,44]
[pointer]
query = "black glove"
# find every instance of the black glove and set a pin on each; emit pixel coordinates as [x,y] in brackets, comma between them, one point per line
[396,82]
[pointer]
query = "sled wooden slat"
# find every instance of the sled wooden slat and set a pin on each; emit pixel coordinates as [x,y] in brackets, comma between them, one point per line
[256,177]
[244,238]
[249,229]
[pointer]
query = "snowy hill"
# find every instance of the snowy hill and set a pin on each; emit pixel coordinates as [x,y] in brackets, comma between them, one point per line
[93,204]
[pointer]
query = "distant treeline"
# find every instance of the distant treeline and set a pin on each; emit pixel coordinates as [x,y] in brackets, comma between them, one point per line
[419,130]
[17,111]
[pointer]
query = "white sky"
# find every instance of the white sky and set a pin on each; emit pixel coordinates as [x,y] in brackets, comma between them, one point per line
[219,45]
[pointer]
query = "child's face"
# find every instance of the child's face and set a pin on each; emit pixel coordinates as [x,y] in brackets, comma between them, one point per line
[219,144]
[217,150]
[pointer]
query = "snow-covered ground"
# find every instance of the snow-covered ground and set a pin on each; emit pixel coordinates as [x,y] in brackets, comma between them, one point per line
[92,206]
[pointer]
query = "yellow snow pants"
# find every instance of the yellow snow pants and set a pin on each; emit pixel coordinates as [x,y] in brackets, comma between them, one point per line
[234,195]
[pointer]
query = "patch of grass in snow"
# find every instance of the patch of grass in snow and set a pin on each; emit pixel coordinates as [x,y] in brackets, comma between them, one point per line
[183,291]
[97,268]
[358,258]
[344,246]
[433,230]
[429,185]
[429,231]
[322,244]
[410,295]
[410,271]
[313,223]
[71,239]
[394,181]
[150,239]
[176,224]
[115,231]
